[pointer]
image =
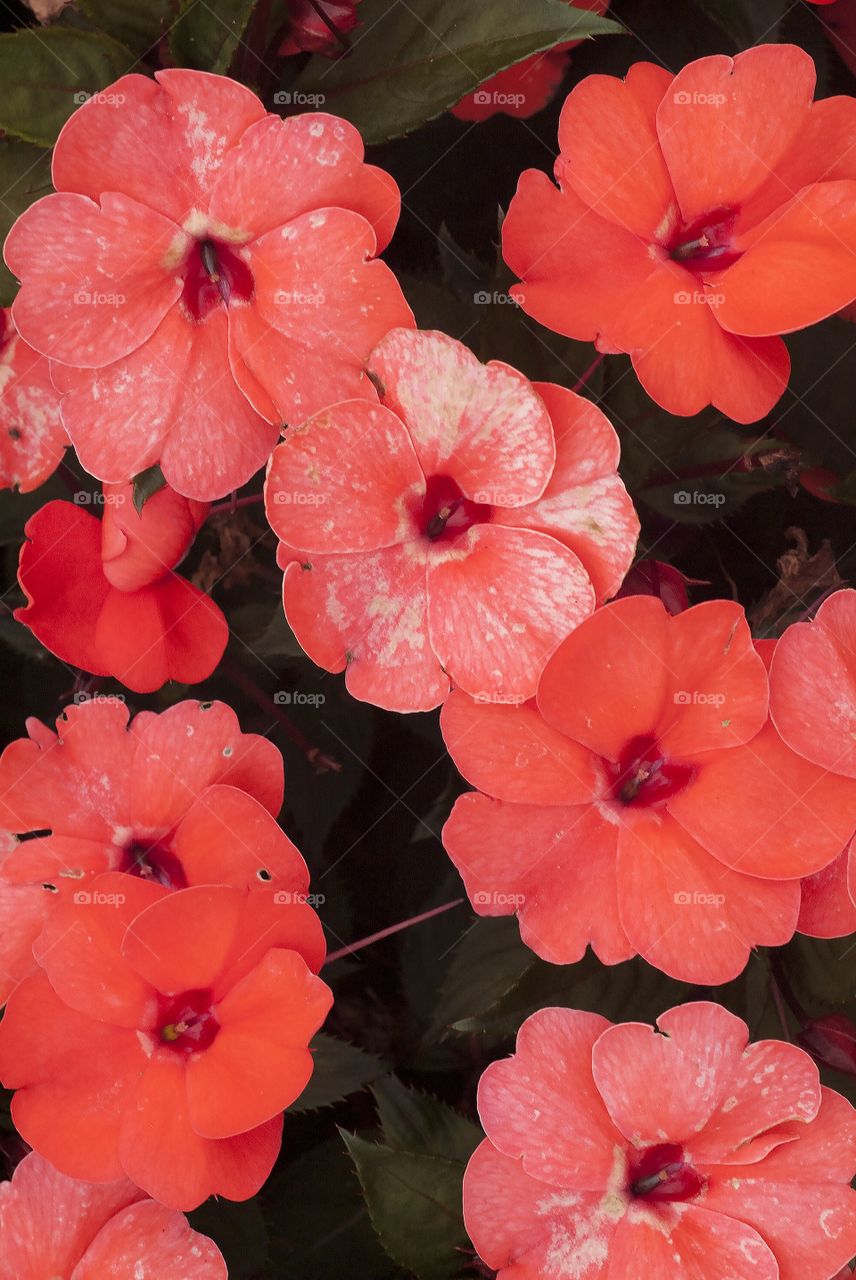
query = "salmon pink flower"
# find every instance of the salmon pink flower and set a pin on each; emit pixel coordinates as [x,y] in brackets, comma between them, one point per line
[203,273]
[697,217]
[524,89]
[454,533]
[32,437]
[813,705]
[635,1152]
[103,597]
[319,27]
[179,798]
[645,804]
[54,1226]
[165,1035]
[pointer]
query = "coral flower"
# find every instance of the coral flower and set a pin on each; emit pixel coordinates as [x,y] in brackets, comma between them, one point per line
[456,532]
[178,798]
[203,273]
[32,437]
[813,705]
[165,1035]
[525,88]
[645,804]
[319,27]
[635,1152]
[103,597]
[54,1226]
[697,218]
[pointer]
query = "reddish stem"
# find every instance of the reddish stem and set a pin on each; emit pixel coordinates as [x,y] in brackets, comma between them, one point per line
[232,504]
[584,377]
[388,932]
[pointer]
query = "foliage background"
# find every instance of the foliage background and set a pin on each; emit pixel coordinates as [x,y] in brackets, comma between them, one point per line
[369,1180]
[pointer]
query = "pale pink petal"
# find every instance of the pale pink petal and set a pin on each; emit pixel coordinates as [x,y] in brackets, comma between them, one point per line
[499,603]
[150,1242]
[686,1242]
[828,909]
[483,425]
[32,437]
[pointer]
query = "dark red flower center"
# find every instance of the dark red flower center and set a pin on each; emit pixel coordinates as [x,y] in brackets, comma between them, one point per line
[644,777]
[153,860]
[186,1022]
[706,244]
[661,1173]
[446,513]
[214,274]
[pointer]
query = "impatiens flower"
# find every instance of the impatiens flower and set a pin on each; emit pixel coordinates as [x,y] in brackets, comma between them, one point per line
[179,798]
[53,1227]
[813,705]
[525,88]
[645,804]
[102,594]
[319,27]
[165,1035]
[203,273]
[32,437]
[682,1151]
[455,533]
[697,217]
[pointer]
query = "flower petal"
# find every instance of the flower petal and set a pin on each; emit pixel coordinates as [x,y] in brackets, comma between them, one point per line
[150,1242]
[684,1242]
[227,837]
[828,909]
[32,437]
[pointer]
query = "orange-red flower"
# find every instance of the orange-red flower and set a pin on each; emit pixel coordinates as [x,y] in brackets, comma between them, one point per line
[645,804]
[618,1151]
[102,594]
[54,1227]
[216,276]
[165,1035]
[456,532]
[180,798]
[813,705]
[697,217]
[525,88]
[32,437]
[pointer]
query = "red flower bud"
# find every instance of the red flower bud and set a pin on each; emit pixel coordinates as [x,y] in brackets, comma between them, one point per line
[831,1041]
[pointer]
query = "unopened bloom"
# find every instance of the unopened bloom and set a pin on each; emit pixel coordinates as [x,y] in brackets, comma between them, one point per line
[455,533]
[103,596]
[203,273]
[697,217]
[55,1226]
[631,1151]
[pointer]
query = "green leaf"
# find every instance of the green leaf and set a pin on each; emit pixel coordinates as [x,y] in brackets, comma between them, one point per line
[25,175]
[137,23]
[488,962]
[414,1202]
[821,972]
[340,1069]
[238,1230]
[205,36]
[414,1121]
[47,73]
[414,58]
[146,484]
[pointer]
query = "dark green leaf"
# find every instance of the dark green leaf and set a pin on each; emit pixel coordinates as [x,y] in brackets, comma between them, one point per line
[48,73]
[746,21]
[414,1202]
[415,58]
[137,23]
[238,1230]
[206,35]
[340,1069]
[414,1121]
[488,962]
[146,484]
[821,972]
[25,175]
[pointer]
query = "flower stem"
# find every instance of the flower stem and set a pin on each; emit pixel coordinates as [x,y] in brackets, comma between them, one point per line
[232,504]
[320,761]
[582,380]
[390,930]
